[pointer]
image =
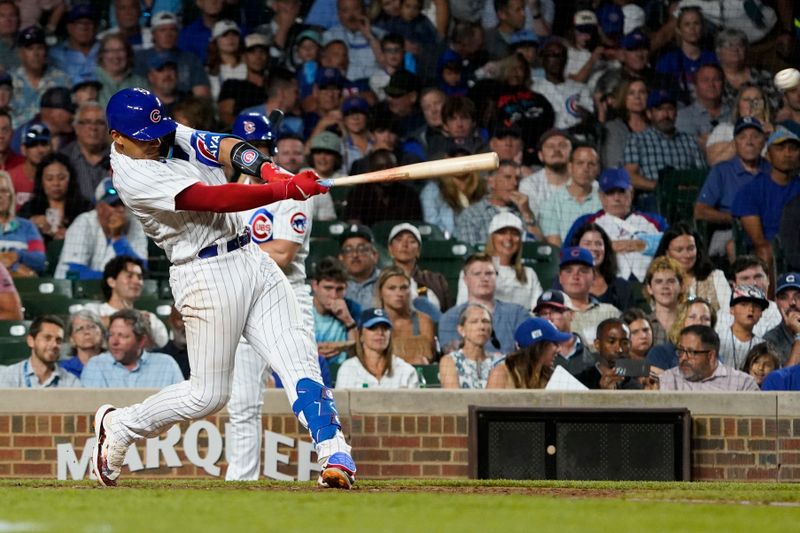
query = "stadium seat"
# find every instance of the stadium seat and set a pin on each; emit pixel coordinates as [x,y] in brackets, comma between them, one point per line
[52,304]
[327,229]
[446,257]
[677,192]
[334,370]
[53,253]
[14,329]
[317,250]
[382,229]
[161,308]
[13,350]
[157,262]
[88,288]
[428,376]
[544,259]
[339,195]
[27,287]
[164,290]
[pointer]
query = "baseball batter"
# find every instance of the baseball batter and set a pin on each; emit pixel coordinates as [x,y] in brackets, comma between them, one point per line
[282,230]
[223,285]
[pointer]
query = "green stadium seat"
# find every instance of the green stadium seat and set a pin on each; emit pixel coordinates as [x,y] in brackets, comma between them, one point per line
[52,255]
[339,195]
[157,262]
[544,259]
[428,232]
[88,288]
[43,286]
[14,329]
[52,304]
[164,290]
[327,229]
[13,350]
[446,257]
[150,288]
[677,192]
[428,376]
[161,308]
[317,250]
[334,370]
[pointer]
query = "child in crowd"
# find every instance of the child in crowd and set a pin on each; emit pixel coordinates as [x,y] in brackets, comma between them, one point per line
[736,341]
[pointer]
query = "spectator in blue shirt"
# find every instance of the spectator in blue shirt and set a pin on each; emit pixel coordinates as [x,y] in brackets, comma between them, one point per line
[126,364]
[726,178]
[195,36]
[759,204]
[784,379]
[77,56]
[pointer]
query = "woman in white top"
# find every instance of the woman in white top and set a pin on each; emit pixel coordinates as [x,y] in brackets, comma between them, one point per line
[225,55]
[515,283]
[374,365]
[683,244]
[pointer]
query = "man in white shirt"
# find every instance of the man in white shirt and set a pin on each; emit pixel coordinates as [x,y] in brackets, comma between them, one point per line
[571,100]
[555,148]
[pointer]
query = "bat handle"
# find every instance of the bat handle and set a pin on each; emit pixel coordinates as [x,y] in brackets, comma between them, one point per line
[326,182]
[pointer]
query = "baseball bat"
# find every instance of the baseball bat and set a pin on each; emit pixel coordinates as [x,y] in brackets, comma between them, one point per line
[421,171]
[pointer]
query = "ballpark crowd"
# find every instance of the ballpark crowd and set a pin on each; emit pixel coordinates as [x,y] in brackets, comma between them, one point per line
[574,254]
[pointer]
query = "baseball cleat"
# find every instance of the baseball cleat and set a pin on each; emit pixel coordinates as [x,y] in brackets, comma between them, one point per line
[106,458]
[339,472]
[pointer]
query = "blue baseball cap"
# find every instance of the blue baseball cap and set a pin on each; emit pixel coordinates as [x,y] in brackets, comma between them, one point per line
[747,122]
[355,104]
[81,11]
[789,280]
[611,19]
[523,38]
[635,40]
[576,254]
[158,60]
[106,192]
[535,330]
[35,133]
[782,135]
[659,97]
[372,317]
[329,77]
[614,178]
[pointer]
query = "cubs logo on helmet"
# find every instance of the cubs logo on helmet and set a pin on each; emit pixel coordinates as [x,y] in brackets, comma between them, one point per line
[299,223]
[249,126]
[155,115]
[261,226]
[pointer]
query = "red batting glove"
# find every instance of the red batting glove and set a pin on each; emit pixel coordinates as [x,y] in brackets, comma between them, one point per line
[304,185]
[270,173]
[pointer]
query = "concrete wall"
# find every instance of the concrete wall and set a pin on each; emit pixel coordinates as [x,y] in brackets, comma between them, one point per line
[739,436]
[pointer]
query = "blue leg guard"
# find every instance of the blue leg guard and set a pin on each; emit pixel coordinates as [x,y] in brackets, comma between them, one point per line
[316,403]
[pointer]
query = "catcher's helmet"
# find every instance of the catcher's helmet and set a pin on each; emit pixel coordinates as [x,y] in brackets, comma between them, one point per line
[138,114]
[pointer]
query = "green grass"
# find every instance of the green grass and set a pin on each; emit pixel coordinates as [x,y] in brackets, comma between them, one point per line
[463,506]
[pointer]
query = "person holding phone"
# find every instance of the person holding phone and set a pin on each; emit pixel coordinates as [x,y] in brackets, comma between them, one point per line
[613,344]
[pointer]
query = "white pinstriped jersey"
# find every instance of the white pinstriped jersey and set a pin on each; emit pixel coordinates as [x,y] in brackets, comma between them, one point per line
[149,188]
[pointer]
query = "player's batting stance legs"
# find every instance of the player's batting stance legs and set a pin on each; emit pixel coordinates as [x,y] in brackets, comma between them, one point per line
[223,286]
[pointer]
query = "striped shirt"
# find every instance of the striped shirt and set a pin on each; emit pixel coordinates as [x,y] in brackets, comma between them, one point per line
[724,378]
[153,370]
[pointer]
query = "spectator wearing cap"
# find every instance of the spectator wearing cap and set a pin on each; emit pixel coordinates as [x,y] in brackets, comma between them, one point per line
[326,102]
[634,234]
[469,366]
[86,90]
[634,56]
[510,19]
[402,103]
[732,50]
[361,39]
[760,202]
[162,80]
[97,236]
[281,92]
[225,55]
[56,199]
[35,146]
[658,147]
[444,199]
[9,27]
[34,76]
[194,37]
[115,67]
[685,59]
[749,103]
[503,195]
[355,134]
[613,343]
[6,91]
[573,354]
[515,283]
[630,108]
[89,154]
[325,157]
[787,81]
[375,365]
[8,158]
[239,94]
[429,289]
[579,196]
[56,111]
[393,59]
[726,179]
[707,110]
[480,276]
[304,59]
[571,100]
[575,275]
[747,304]
[77,55]
[785,337]
[530,365]
[359,256]
[555,148]
[192,75]
[585,55]
[21,244]
[373,202]
[699,368]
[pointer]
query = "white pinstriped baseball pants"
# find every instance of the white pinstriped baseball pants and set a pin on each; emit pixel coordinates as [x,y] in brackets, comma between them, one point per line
[241,293]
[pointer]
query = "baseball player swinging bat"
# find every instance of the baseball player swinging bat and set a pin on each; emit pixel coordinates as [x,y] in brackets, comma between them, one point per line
[421,171]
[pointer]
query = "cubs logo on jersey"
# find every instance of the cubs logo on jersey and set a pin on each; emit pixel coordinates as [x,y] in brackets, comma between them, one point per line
[299,223]
[261,225]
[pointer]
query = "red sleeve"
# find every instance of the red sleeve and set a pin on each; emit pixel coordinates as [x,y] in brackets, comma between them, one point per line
[229,197]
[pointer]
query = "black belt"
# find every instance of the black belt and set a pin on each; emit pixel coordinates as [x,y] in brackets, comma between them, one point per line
[233,244]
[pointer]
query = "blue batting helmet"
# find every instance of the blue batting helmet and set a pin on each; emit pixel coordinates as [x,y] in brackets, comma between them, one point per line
[253,127]
[138,114]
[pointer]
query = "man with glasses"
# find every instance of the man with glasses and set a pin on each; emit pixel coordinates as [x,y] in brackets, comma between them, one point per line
[480,276]
[785,337]
[699,368]
[360,258]
[89,154]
